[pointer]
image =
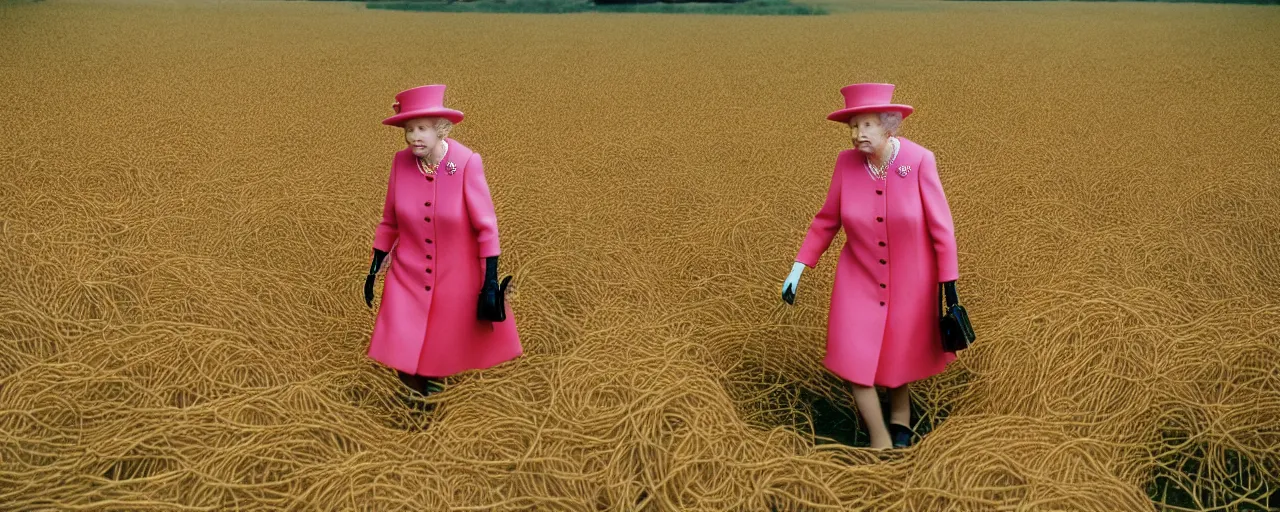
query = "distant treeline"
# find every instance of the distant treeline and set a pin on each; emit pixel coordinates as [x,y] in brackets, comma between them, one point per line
[744,7]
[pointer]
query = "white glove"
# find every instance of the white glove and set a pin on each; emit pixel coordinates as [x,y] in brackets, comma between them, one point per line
[793,281]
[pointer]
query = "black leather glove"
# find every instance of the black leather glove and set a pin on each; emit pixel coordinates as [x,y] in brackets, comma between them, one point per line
[373,275]
[492,305]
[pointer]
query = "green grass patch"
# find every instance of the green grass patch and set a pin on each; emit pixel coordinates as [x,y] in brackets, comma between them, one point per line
[746,7]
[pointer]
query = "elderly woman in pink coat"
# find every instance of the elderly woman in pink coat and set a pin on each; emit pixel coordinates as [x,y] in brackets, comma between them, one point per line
[443,310]
[883,324]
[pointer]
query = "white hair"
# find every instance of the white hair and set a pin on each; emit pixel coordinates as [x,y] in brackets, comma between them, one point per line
[442,125]
[892,121]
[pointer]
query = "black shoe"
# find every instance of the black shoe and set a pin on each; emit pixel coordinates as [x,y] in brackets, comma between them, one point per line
[424,386]
[901,435]
[430,386]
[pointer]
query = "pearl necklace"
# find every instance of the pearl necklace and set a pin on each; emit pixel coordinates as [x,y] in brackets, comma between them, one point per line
[879,172]
[428,169]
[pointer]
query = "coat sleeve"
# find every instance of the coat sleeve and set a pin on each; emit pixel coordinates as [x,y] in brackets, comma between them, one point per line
[825,224]
[475,192]
[385,235]
[937,215]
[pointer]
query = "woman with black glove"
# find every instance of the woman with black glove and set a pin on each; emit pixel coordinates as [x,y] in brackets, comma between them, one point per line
[442,313]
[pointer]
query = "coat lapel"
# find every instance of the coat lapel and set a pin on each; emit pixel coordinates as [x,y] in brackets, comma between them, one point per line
[457,156]
[908,161]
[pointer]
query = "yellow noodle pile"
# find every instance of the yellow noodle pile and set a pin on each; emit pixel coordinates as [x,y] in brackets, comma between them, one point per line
[190,191]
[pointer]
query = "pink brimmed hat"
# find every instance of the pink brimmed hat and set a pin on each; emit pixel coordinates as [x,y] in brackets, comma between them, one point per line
[425,101]
[868,98]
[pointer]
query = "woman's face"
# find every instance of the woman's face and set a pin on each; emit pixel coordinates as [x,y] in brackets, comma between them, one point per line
[869,136]
[420,134]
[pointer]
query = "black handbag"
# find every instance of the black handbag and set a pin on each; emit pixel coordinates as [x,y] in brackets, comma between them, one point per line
[957,333]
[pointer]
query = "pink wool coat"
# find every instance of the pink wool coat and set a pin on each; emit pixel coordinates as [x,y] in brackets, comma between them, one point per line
[442,227]
[882,326]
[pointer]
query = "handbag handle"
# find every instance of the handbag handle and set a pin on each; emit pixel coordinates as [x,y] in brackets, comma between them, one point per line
[942,305]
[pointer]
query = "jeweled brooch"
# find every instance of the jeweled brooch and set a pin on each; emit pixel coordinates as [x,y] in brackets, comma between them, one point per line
[903,170]
[452,168]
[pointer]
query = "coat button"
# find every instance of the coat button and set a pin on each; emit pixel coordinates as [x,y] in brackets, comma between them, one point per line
[881,244]
[428,240]
[428,219]
[879,219]
[429,271]
[879,192]
[428,203]
[881,303]
[882,285]
[430,178]
[428,288]
[428,256]
[882,262]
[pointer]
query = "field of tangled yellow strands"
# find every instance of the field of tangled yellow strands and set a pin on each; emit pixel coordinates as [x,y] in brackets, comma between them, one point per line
[189,191]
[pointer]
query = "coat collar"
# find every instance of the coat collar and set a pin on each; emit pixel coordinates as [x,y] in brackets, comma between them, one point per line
[909,153]
[457,153]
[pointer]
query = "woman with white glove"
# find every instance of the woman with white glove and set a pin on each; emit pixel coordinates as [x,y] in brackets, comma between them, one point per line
[883,322]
